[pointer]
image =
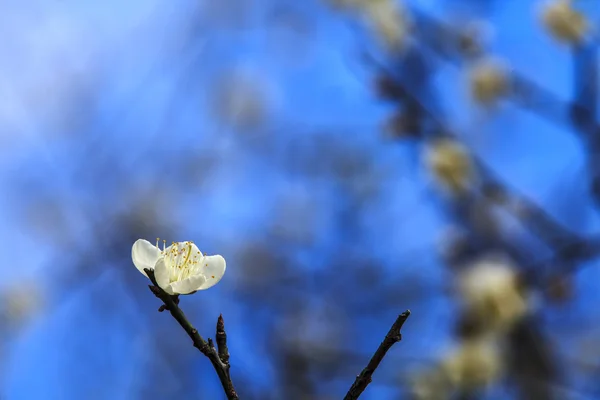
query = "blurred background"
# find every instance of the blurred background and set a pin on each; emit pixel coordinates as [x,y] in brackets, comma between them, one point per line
[350,159]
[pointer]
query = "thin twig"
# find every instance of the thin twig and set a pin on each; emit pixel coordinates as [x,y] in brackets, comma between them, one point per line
[222,341]
[206,348]
[365,377]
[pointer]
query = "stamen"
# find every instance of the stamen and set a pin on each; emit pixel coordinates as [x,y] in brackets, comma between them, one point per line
[189,248]
[181,261]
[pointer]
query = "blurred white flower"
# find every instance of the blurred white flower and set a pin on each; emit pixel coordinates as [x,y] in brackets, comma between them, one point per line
[492,292]
[431,385]
[388,18]
[20,303]
[488,80]
[475,364]
[180,268]
[244,97]
[470,367]
[563,22]
[450,164]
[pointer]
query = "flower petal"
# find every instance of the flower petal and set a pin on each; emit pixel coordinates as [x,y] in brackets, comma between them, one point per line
[169,290]
[213,269]
[144,255]
[188,285]
[162,273]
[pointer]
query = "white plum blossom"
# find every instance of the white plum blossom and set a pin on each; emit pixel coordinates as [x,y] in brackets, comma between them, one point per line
[564,22]
[471,366]
[491,290]
[489,80]
[388,19]
[180,268]
[450,164]
[474,364]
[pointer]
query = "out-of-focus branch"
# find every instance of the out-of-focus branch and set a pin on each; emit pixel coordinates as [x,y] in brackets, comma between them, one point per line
[220,359]
[584,107]
[365,377]
[571,255]
[447,42]
[535,218]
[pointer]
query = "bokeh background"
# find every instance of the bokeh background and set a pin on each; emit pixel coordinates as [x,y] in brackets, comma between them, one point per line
[349,159]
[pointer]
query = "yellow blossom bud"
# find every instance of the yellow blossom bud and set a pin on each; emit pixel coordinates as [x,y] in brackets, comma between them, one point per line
[488,81]
[563,22]
[450,164]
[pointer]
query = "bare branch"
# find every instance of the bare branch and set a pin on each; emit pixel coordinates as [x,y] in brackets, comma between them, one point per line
[206,348]
[365,377]
[222,341]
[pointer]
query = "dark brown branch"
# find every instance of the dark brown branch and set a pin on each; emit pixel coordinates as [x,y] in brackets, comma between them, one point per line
[206,348]
[365,377]
[222,341]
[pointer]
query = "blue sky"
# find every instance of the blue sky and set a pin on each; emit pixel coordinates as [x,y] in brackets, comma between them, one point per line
[133,57]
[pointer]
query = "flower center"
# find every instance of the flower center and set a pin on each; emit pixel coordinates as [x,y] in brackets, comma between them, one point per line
[179,259]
